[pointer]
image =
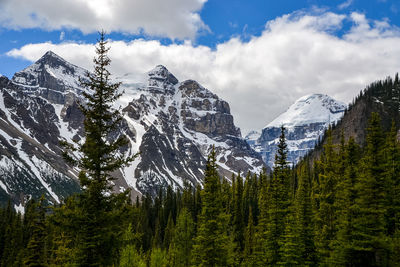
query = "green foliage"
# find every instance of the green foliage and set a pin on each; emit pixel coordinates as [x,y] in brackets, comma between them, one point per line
[129,254]
[169,232]
[158,258]
[278,206]
[369,242]
[237,216]
[345,202]
[326,214]
[290,252]
[304,218]
[249,255]
[211,245]
[97,209]
[35,251]
[182,242]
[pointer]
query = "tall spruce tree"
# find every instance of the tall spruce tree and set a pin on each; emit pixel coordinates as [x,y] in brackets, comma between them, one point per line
[345,201]
[278,205]
[325,216]
[35,252]
[249,257]
[262,226]
[101,155]
[369,244]
[290,250]
[211,244]
[237,215]
[392,180]
[182,242]
[304,218]
[129,255]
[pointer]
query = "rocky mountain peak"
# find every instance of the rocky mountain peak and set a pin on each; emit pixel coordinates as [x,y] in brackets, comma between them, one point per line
[305,122]
[51,77]
[52,58]
[310,109]
[161,80]
[3,78]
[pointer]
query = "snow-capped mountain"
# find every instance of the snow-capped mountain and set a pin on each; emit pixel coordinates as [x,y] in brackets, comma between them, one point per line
[305,121]
[173,124]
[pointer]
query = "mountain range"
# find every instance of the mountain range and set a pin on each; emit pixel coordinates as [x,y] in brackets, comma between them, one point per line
[173,125]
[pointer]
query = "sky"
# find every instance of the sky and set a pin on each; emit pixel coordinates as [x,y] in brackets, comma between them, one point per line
[258,55]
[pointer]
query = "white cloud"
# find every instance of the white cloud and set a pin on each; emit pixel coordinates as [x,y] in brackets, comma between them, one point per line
[62,35]
[295,55]
[173,18]
[345,4]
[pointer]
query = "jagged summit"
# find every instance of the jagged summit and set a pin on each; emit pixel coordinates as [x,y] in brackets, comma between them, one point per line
[50,72]
[313,108]
[50,56]
[161,79]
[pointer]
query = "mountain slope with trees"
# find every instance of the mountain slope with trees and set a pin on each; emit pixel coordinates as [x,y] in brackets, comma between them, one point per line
[341,209]
[381,97]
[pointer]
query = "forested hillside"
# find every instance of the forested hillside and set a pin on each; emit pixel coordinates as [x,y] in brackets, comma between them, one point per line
[342,210]
[382,97]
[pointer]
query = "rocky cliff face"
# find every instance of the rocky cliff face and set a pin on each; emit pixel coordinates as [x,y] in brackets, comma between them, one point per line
[173,124]
[176,125]
[305,121]
[30,163]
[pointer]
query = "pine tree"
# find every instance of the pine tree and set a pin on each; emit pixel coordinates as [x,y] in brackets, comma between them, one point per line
[326,213]
[35,253]
[278,204]
[249,256]
[237,214]
[346,196]
[63,255]
[290,252]
[101,156]
[169,232]
[129,254]
[392,180]
[11,253]
[182,242]
[157,237]
[158,258]
[304,218]
[369,223]
[262,227]
[211,246]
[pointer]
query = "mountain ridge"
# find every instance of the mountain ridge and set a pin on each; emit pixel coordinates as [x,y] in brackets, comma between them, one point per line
[174,125]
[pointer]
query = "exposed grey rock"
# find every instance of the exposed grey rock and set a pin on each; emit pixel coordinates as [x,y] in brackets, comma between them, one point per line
[174,125]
